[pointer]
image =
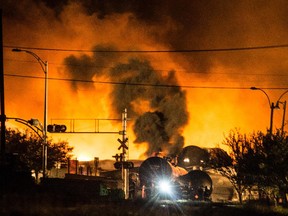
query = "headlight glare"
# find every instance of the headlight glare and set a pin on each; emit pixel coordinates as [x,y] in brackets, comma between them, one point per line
[165,186]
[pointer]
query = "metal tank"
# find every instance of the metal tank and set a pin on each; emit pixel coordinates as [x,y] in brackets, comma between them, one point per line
[198,185]
[158,177]
[193,156]
[161,179]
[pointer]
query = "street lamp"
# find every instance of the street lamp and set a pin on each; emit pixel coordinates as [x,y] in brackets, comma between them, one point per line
[33,124]
[44,66]
[273,106]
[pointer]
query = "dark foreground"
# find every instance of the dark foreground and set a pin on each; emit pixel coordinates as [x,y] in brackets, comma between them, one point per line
[40,205]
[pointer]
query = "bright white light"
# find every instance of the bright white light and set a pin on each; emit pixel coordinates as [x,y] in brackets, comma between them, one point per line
[165,186]
[186,160]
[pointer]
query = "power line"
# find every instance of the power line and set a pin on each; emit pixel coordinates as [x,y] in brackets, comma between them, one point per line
[157,51]
[160,70]
[145,84]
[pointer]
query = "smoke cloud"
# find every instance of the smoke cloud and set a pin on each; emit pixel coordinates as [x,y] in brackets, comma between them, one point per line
[161,127]
[200,25]
[138,83]
[159,113]
[85,67]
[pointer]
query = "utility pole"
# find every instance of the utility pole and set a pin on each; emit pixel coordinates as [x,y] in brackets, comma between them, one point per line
[2,101]
[274,106]
[124,140]
[123,162]
[283,118]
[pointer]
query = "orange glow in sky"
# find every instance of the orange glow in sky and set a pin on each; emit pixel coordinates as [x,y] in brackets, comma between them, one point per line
[87,85]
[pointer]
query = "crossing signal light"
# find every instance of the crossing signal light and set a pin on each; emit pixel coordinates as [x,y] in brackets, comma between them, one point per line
[118,165]
[126,165]
[55,128]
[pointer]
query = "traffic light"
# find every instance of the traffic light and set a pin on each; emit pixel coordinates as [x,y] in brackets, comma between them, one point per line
[126,165]
[56,128]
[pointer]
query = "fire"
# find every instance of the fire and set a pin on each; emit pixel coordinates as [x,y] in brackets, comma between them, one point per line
[83,157]
[87,84]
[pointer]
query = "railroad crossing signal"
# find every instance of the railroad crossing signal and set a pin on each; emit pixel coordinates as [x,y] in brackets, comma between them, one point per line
[123,144]
[55,128]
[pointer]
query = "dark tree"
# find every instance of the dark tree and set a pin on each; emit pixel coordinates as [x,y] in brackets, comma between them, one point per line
[275,161]
[29,146]
[238,145]
[257,160]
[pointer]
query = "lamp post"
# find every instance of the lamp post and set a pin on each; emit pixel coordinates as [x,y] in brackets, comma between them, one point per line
[32,124]
[272,107]
[44,66]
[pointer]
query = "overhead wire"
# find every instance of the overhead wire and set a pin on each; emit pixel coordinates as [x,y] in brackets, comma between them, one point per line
[143,84]
[163,70]
[162,51]
[157,51]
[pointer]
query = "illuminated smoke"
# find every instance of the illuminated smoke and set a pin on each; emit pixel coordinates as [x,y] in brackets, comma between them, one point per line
[85,67]
[160,128]
[180,25]
[139,82]
[206,24]
[154,25]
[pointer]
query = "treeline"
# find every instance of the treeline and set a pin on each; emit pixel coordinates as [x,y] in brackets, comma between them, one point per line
[255,161]
[25,151]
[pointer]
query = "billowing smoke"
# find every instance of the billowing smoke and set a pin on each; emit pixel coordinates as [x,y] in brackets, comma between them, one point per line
[159,123]
[180,25]
[85,67]
[205,24]
[158,108]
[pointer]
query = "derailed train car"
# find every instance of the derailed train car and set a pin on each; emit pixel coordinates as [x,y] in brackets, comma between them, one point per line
[159,178]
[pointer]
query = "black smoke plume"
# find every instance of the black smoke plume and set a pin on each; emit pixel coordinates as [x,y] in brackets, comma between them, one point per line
[173,25]
[86,67]
[159,126]
[161,122]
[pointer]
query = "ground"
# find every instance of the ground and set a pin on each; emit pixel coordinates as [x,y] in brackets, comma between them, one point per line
[46,205]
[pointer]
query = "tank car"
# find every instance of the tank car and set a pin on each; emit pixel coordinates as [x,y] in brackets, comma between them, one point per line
[161,179]
[158,178]
[193,157]
[196,185]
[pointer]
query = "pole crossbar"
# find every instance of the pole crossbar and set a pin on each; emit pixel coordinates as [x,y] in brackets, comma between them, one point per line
[93,123]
